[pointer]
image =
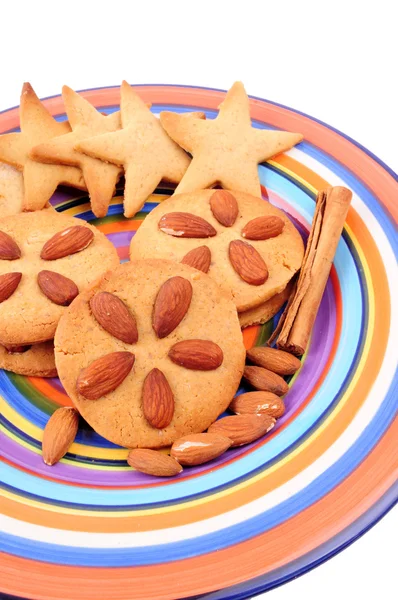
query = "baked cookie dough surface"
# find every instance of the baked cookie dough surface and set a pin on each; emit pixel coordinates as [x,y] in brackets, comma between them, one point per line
[264,312]
[282,254]
[11,190]
[199,396]
[28,316]
[36,361]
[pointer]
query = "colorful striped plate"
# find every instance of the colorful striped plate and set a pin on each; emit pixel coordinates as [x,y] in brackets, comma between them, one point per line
[90,527]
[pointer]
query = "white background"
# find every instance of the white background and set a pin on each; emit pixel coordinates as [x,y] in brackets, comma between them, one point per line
[337,61]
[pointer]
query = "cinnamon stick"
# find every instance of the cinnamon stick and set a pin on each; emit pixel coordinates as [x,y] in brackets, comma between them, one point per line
[327,225]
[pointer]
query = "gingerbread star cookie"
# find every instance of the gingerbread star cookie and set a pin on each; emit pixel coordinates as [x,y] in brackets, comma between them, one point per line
[37,126]
[247,245]
[11,190]
[151,352]
[86,122]
[142,147]
[227,149]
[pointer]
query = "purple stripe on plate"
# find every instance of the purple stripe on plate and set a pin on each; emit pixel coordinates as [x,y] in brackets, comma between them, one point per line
[120,239]
[320,348]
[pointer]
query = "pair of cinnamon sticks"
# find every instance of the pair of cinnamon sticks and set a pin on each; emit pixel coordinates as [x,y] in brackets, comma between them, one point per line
[295,325]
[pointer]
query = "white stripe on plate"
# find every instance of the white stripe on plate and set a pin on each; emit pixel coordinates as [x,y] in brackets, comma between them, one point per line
[290,488]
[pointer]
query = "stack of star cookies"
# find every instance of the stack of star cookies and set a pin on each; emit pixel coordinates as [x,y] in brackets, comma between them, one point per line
[92,150]
[34,189]
[150,352]
[48,153]
[247,246]
[250,248]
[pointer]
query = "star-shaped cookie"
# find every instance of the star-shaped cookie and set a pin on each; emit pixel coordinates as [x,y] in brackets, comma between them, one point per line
[37,126]
[86,122]
[227,149]
[142,147]
[11,190]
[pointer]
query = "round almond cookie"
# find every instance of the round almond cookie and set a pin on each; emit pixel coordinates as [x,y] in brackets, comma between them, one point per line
[46,259]
[35,361]
[245,244]
[150,353]
[264,312]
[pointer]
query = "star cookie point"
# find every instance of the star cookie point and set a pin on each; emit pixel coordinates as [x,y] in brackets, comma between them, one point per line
[142,147]
[226,150]
[37,126]
[86,122]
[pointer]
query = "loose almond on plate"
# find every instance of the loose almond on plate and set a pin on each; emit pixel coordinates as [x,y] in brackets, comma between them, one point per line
[278,361]
[66,242]
[198,448]
[261,403]
[265,380]
[243,429]
[153,463]
[59,434]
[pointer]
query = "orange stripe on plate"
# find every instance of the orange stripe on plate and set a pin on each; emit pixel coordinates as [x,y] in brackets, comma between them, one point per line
[272,480]
[198,575]
[302,171]
[249,336]
[44,387]
[118,226]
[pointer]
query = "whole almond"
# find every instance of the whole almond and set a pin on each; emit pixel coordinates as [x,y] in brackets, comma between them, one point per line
[274,360]
[198,355]
[260,403]
[171,305]
[59,289]
[66,242]
[199,258]
[243,429]
[224,207]
[8,284]
[263,228]
[265,380]
[186,225]
[153,463]
[248,263]
[114,316]
[157,399]
[59,434]
[9,250]
[198,448]
[104,375]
